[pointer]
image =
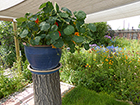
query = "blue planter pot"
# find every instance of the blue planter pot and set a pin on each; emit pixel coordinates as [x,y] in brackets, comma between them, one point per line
[42,58]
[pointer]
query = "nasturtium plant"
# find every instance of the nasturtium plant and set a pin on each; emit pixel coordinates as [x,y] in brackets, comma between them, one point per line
[55,27]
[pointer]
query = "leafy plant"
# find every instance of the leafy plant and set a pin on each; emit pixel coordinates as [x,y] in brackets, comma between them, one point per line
[51,26]
[7,47]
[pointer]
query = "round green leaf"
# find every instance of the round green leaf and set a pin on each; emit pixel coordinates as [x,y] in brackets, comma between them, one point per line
[21,19]
[37,40]
[54,28]
[24,33]
[49,7]
[64,15]
[92,27]
[54,35]
[43,36]
[69,30]
[82,30]
[80,15]
[78,39]
[67,10]
[59,43]
[86,46]
[44,26]
[33,18]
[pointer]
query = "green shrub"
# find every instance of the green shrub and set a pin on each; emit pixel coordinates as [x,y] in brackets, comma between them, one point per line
[14,79]
[7,41]
[7,47]
[117,74]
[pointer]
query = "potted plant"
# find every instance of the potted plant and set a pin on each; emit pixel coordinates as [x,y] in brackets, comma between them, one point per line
[45,33]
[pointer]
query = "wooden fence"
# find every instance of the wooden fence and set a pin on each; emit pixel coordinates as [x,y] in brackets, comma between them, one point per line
[129,34]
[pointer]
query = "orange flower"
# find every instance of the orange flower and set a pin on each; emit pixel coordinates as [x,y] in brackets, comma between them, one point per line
[106,60]
[73,42]
[59,33]
[126,56]
[74,23]
[110,63]
[76,33]
[53,46]
[37,21]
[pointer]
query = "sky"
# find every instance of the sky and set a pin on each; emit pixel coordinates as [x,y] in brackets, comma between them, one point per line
[125,23]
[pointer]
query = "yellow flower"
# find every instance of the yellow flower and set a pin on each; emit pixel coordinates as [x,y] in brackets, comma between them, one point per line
[110,84]
[126,56]
[102,62]
[89,66]
[76,33]
[109,63]
[94,59]
[106,60]
[111,57]
[74,23]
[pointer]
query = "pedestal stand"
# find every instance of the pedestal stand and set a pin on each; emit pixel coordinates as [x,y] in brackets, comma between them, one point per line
[46,88]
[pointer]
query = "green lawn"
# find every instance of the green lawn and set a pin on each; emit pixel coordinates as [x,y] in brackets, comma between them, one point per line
[83,96]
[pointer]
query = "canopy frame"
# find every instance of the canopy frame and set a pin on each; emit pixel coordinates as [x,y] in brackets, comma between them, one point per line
[15,39]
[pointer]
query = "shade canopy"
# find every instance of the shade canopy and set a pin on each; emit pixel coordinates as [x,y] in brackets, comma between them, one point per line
[97,10]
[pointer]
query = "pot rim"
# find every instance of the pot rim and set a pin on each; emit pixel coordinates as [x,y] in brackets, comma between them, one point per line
[38,45]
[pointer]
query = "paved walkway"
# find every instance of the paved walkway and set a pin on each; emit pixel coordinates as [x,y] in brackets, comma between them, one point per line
[26,97]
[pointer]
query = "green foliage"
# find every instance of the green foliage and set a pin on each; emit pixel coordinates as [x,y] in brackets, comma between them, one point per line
[26,73]
[13,79]
[7,49]
[83,96]
[98,35]
[57,26]
[116,74]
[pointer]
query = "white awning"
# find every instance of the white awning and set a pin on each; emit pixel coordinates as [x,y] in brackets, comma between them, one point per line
[111,9]
[125,11]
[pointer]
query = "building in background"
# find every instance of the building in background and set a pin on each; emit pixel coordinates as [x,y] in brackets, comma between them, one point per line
[125,23]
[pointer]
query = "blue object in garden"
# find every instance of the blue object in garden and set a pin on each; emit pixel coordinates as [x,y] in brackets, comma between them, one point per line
[42,58]
[110,48]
